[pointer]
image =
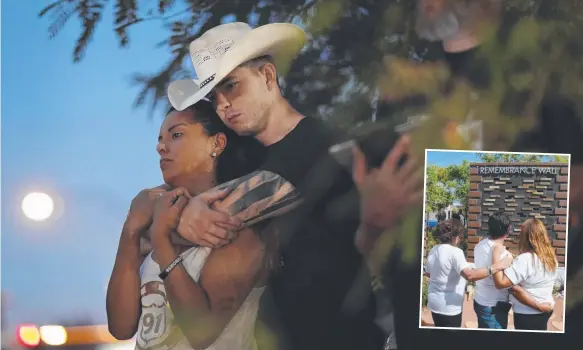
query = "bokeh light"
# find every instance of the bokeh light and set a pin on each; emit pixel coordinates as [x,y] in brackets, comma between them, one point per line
[37,206]
[53,335]
[28,335]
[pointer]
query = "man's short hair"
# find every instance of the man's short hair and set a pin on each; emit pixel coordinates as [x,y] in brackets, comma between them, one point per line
[498,225]
[260,62]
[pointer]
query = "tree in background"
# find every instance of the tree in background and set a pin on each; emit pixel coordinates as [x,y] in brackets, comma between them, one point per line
[459,181]
[446,185]
[347,40]
[363,53]
[513,158]
[438,192]
[353,46]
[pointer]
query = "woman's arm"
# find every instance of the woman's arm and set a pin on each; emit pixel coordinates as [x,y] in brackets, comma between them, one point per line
[460,265]
[502,281]
[525,298]
[123,292]
[472,274]
[203,309]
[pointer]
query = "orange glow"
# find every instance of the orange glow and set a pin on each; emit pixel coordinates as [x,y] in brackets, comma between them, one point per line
[98,334]
[28,335]
[451,135]
[31,336]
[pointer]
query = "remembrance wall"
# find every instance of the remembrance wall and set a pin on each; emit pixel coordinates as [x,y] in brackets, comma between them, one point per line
[522,191]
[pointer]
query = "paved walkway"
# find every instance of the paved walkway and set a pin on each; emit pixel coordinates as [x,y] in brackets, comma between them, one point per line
[470,320]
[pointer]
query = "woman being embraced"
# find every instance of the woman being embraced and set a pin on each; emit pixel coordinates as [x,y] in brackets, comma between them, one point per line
[184,297]
[448,272]
[535,271]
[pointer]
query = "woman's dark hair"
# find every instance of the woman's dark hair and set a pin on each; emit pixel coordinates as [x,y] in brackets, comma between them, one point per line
[447,230]
[241,156]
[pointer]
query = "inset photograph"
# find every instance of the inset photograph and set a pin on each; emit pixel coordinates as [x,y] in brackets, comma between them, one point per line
[495,241]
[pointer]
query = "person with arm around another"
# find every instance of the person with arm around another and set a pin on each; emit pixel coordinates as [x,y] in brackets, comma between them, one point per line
[534,270]
[490,303]
[448,273]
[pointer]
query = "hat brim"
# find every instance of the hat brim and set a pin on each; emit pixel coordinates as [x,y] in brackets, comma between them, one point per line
[184,93]
[282,41]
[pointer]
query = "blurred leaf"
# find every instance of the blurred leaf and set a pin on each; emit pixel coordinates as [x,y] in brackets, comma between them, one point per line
[324,15]
[521,82]
[525,38]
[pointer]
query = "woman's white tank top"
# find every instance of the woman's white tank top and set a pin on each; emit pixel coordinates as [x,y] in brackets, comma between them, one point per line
[157,330]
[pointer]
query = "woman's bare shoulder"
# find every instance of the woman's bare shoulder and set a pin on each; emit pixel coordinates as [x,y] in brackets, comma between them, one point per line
[241,259]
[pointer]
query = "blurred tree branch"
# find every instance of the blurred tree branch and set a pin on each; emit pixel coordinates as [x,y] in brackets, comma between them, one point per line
[364,61]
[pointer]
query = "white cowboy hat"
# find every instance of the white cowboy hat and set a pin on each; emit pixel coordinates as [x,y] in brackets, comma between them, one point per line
[225,47]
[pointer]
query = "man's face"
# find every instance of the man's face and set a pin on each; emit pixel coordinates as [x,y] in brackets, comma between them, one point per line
[437,20]
[242,100]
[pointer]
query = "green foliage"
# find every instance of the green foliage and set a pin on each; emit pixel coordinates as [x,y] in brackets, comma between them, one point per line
[431,241]
[438,192]
[347,56]
[464,244]
[513,158]
[559,159]
[447,184]
[424,292]
[459,181]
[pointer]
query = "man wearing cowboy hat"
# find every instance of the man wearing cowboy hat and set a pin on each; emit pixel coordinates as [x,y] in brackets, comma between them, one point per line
[453,23]
[237,68]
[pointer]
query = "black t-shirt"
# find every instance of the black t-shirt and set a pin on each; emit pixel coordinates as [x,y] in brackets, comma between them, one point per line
[560,131]
[320,261]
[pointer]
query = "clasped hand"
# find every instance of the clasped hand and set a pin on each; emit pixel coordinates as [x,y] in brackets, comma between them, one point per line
[167,210]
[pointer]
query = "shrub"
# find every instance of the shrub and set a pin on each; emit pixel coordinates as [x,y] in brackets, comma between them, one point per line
[464,244]
[425,291]
[431,240]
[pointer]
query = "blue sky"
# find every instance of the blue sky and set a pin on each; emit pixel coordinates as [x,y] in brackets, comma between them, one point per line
[445,158]
[70,130]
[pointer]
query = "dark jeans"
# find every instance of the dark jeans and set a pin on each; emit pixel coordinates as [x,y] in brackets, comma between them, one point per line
[536,322]
[447,321]
[493,317]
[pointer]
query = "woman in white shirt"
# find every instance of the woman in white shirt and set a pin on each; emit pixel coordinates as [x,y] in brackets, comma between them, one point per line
[534,270]
[448,272]
[183,297]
